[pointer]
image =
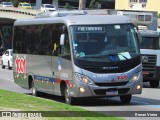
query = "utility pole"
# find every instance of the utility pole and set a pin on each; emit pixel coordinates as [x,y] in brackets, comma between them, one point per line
[82,4]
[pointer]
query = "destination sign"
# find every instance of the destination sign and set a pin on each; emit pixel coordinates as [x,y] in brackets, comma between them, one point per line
[90,29]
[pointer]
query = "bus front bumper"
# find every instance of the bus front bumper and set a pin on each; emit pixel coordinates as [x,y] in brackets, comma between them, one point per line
[110,91]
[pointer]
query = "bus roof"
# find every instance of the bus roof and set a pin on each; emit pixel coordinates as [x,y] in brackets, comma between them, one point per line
[76,20]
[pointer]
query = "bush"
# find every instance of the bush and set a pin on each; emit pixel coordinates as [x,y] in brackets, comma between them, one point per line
[94,4]
[68,6]
[15,3]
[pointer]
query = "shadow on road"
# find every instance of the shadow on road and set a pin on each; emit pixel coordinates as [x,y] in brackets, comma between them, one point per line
[114,101]
[147,85]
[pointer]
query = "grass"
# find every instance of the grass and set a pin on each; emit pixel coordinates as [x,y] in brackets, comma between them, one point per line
[10,101]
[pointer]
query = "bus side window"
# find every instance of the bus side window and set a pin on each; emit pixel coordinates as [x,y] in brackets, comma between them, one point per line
[65,49]
[60,50]
[17,44]
[55,40]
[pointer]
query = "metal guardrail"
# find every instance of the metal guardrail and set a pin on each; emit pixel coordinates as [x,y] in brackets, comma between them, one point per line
[30,12]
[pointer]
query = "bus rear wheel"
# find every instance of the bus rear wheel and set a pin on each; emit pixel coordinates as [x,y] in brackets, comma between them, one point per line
[154,84]
[33,89]
[125,98]
[68,99]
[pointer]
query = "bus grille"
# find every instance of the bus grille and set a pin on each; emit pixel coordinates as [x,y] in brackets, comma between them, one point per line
[112,84]
[149,64]
[103,91]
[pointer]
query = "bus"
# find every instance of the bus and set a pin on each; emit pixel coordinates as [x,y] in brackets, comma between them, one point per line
[66,55]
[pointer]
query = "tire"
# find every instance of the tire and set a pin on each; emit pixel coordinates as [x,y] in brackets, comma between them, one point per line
[154,84]
[125,98]
[68,99]
[9,67]
[33,89]
[3,67]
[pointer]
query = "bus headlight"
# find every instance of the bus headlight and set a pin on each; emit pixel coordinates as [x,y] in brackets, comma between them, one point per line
[84,78]
[136,77]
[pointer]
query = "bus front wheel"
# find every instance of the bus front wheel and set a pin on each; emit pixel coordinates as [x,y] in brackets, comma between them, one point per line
[125,98]
[68,99]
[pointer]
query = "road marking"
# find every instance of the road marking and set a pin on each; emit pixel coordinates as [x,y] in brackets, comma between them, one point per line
[141,102]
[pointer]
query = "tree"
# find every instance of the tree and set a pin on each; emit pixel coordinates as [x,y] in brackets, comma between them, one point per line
[82,4]
[15,2]
[68,6]
[94,4]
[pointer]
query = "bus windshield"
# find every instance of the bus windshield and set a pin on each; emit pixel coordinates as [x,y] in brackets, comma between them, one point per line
[150,43]
[101,42]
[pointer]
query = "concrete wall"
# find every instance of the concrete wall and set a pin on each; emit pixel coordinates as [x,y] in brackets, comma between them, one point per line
[151,5]
[122,4]
[38,4]
[55,3]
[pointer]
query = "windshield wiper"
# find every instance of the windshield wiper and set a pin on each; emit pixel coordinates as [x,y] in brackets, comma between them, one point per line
[96,56]
[110,57]
[123,56]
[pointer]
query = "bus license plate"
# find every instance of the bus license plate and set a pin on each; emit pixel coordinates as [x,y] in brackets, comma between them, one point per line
[115,92]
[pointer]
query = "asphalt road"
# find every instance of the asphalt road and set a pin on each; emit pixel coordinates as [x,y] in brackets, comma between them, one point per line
[147,102]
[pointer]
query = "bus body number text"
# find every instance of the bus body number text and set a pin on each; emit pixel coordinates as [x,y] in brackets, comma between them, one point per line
[20,66]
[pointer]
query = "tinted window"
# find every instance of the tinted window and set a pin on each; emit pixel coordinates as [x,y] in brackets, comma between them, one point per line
[40,39]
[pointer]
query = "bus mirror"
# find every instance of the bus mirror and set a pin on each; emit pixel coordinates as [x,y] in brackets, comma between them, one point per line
[62,39]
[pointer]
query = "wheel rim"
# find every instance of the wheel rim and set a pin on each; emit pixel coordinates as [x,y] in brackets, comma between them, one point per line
[33,89]
[67,97]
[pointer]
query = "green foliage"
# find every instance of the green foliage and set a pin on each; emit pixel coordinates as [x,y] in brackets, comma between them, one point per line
[68,6]
[15,2]
[22,102]
[94,4]
[159,16]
